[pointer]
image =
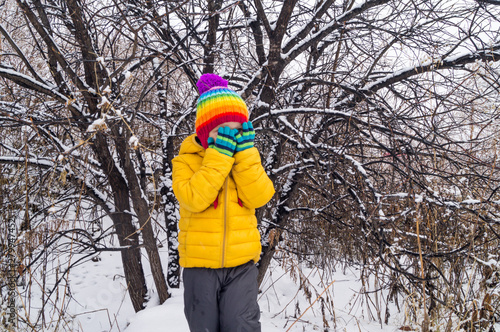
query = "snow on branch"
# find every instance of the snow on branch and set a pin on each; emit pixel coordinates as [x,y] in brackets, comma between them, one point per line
[51,43]
[489,54]
[364,174]
[295,164]
[42,162]
[294,47]
[301,110]
[309,26]
[282,113]
[32,84]
[99,196]
[19,52]
[491,2]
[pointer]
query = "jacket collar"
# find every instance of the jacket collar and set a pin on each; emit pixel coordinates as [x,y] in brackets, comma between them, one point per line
[191,146]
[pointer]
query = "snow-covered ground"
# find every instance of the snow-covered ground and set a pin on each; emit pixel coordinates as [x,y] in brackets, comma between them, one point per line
[100,302]
[293,298]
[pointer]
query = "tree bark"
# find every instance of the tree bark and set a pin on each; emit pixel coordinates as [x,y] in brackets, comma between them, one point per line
[174,269]
[167,195]
[213,23]
[125,230]
[141,209]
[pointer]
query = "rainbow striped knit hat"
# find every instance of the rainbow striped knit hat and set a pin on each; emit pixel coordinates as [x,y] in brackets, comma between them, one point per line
[217,104]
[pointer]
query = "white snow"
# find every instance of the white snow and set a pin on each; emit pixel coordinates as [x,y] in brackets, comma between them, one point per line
[133,141]
[260,103]
[52,209]
[471,201]
[326,27]
[96,125]
[279,298]
[422,64]
[156,318]
[99,300]
[107,90]
[50,89]
[104,103]
[36,161]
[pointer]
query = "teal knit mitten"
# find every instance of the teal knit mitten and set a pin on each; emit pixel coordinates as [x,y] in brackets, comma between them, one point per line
[225,142]
[246,138]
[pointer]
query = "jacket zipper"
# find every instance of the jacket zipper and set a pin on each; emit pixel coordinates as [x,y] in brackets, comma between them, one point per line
[225,222]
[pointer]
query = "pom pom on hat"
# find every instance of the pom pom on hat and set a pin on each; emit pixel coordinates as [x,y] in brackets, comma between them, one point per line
[208,81]
[217,104]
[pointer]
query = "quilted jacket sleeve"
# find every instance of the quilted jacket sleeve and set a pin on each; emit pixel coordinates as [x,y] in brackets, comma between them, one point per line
[196,191]
[254,187]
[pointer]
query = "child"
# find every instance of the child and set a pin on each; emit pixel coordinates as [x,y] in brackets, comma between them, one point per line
[219,181]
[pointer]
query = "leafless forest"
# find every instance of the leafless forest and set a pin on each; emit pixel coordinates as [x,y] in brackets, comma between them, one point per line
[377,120]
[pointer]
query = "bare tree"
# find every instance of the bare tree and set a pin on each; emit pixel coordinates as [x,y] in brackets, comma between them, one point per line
[79,113]
[377,121]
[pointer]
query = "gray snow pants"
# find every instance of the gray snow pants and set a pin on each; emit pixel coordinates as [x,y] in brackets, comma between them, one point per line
[222,300]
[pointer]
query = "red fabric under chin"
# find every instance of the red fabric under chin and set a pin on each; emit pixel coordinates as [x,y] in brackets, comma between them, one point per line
[216,202]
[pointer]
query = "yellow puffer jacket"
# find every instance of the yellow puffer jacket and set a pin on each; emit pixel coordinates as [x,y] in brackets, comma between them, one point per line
[225,235]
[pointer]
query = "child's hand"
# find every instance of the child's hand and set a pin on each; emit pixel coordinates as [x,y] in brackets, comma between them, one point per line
[211,143]
[245,139]
[225,142]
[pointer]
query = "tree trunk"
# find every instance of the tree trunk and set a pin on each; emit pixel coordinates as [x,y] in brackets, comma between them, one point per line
[174,269]
[141,209]
[131,258]
[167,195]
[213,23]
[268,253]
[125,230]
[134,276]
